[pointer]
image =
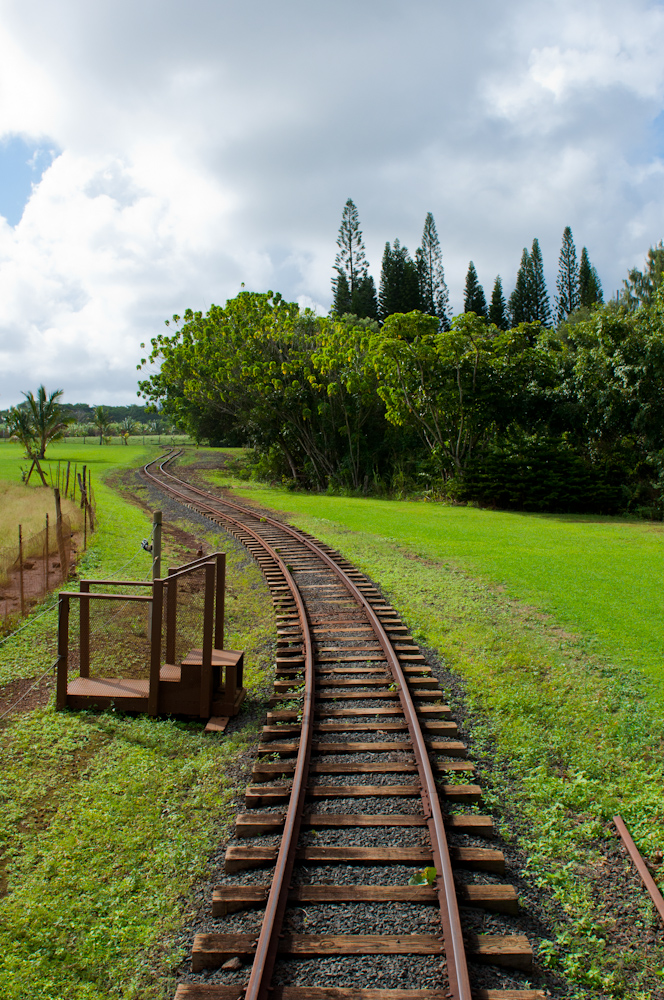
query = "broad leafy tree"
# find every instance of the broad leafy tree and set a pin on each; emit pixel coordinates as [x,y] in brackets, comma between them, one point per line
[434,294]
[399,282]
[353,288]
[567,283]
[474,299]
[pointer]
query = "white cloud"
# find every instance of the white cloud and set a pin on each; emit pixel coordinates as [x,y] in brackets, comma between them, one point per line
[209,145]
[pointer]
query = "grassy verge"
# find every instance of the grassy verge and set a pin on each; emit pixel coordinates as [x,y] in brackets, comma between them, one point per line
[567,732]
[107,820]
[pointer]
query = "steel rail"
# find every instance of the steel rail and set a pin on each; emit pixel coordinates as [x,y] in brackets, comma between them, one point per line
[268,940]
[459,983]
[640,865]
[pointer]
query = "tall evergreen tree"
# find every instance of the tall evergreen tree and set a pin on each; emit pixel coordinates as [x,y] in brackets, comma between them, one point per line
[399,282]
[590,287]
[640,286]
[498,307]
[434,294]
[541,309]
[521,304]
[353,288]
[474,299]
[567,284]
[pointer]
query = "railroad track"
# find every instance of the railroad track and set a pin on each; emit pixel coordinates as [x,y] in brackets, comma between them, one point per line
[360,782]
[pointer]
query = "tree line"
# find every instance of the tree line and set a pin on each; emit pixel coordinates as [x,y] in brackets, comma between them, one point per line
[535,416]
[407,284]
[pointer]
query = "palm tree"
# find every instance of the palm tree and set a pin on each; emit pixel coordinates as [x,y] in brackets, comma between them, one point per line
[47,418]
[102,423]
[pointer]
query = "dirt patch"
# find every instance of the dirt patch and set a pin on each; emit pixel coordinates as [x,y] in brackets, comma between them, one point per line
[26,693]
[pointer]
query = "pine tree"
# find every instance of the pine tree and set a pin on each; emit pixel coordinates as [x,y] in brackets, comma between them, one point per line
[474,299]
[641,286]
[498,307]
[590,287]
[364,302]
[539,297]
[521,303]
[351,284]
[434,294]
[399,282]
[567,299]
[342,299]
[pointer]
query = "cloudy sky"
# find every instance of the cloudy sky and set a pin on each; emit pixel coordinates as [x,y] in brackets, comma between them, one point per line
[154,155]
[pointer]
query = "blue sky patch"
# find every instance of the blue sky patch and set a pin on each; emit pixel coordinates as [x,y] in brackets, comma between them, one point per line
[21,166]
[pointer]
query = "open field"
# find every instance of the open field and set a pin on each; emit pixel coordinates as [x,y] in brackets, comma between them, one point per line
[106,821]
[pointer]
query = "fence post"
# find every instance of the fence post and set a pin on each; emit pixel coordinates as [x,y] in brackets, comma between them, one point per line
[208,628]
[20,568]
[84,619]
[67,480]
[156,544]
[220,605]
[171,615]
[63,649]
[46,559]
[61,541]
[155,646]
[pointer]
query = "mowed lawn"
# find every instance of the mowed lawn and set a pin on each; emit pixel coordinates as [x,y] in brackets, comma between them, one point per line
[602,578]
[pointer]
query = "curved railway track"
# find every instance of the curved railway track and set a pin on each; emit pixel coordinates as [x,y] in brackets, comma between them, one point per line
[360,770]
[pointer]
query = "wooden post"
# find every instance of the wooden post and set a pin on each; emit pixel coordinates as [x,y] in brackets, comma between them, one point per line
[84,627]
[82,484]
[63,649]
[208,628]
[85,530]
[156,544]
[67,480]
[155,646]
[60,536]
[74,492]
[46,559]
[20,567]
[220,601]
[171,615]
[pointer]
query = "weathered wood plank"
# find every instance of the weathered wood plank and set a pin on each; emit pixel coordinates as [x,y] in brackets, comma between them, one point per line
[240,858]
[229,899]
[511,951]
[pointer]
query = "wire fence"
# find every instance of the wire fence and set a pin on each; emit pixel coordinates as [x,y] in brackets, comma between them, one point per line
[43,560]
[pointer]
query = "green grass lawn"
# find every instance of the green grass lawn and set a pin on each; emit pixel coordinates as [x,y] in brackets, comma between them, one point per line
[600,577]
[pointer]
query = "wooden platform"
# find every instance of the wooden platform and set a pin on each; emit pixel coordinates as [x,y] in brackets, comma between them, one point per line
[179,688]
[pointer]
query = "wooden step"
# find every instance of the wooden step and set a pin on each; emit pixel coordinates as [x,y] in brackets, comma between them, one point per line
[240,858]
[452,748]
[265,770]
[255,824]
[229,899]
[263,795]
[210,951]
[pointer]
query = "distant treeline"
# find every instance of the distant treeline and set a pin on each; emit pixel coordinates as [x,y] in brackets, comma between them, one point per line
[537,417]
[119,420]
